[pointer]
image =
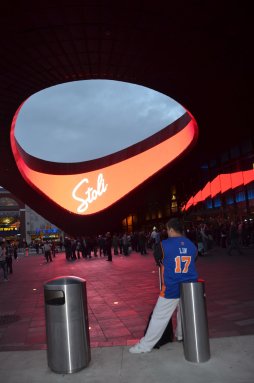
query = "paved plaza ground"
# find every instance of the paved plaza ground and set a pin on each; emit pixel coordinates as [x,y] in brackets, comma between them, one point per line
[121,295]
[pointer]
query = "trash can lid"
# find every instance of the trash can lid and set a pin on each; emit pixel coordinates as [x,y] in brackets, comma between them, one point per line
[64,280]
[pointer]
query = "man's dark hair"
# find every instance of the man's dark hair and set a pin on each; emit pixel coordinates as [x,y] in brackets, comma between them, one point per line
[175,224]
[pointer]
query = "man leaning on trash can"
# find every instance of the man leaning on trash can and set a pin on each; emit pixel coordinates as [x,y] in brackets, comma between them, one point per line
[177,262]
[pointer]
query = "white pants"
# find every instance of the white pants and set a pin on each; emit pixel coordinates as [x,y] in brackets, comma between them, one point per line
[162,313]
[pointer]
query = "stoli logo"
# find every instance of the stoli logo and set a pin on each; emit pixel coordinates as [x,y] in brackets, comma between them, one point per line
[91,193]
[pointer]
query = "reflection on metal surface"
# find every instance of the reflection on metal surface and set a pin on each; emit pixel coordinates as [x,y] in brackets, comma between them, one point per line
[194,322]
[67,328]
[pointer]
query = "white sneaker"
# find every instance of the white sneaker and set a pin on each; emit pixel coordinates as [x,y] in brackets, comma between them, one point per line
[137,349]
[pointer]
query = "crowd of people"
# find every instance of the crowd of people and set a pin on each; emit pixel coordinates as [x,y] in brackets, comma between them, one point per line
[8,252]
[225,233]
[232,235]
[105,245]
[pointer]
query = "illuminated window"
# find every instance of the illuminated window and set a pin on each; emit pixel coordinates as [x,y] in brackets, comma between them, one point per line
[240,195]
[217,201]
[230,199]
[250,191]
[129,220]
[174,207]
[209,203]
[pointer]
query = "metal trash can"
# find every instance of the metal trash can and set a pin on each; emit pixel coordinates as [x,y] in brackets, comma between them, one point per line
[67,329]
[194,322]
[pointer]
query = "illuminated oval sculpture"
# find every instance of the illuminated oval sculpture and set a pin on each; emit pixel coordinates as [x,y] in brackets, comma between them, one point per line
[106,175]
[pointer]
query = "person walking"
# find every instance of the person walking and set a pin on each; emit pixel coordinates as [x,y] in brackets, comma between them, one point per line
[154,237]
[101,244]
[9,255]
[3,263]
[177,263]
[53,248]
[115,242]
[108,245]
[125,241]
[233,239]
[47,252]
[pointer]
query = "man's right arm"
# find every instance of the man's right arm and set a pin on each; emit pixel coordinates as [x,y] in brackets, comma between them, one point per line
[157,253]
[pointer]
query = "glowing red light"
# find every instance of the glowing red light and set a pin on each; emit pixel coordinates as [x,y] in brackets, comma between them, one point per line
[93,191]
[197,198]
[221,184]
[206,192]
[248,176]
[225,181]
[215,186]
[236,179]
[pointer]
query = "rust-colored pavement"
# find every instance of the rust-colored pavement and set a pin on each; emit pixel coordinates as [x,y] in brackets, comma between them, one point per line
[121,295]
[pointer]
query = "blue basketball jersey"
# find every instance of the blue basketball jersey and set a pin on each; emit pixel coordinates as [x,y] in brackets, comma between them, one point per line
[178,265]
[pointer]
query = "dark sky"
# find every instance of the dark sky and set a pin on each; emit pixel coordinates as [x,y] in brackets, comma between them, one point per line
[84,120]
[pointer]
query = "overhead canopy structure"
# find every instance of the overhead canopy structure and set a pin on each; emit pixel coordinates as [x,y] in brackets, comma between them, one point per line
[198,53]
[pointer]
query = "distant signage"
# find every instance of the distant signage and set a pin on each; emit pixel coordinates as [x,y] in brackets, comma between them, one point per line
[44,231]
[8,229]
[91,194]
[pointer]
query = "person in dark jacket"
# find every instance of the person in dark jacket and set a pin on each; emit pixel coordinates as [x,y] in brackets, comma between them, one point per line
[233,239]
[108,246]
[3,263]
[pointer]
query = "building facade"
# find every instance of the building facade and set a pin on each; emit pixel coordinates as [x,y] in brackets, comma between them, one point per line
[18,222]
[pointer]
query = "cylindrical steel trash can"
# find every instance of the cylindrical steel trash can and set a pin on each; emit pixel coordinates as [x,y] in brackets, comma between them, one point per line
[67,329]
[194,322]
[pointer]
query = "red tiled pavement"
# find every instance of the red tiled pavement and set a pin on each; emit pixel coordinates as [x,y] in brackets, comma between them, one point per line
[121,296]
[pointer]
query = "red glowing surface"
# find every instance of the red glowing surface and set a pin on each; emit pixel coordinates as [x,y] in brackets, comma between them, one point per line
[225,182]
[197,198]
[236,179]
[206,192]
[215,186]
[247,176]
[93,191]
[221,184]
[189,203]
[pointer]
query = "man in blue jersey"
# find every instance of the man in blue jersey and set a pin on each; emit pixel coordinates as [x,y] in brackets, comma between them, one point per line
[177,263]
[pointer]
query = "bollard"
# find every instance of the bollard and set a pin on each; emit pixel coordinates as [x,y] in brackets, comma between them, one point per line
[67,329]
[194,322]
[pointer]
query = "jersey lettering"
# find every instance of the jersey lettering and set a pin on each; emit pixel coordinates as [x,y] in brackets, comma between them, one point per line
[186,260]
